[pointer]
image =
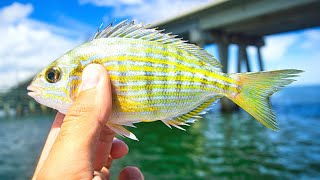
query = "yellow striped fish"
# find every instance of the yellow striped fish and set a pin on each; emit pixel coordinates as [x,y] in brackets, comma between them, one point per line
[156,76]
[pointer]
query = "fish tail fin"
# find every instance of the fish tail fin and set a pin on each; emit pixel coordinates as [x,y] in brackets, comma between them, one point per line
[255,90]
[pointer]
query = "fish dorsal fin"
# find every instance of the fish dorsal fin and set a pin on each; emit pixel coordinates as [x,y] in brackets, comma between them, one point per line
[193,115]
[140,31]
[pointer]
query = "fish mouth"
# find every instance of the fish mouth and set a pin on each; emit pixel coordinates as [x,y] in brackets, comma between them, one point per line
[33,91]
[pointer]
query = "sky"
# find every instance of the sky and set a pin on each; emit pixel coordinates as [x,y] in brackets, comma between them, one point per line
[36,32]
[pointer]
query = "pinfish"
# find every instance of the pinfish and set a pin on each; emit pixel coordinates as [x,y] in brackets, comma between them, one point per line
[156,76]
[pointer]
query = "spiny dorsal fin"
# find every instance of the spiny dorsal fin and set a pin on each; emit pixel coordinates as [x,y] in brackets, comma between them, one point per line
[193,115]
[140,31]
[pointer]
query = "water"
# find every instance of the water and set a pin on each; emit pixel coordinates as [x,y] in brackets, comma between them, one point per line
[222,146]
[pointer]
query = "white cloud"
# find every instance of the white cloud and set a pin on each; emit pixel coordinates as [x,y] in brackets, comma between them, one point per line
[311,67]
[297,50]
[148,11]
[313,34]
[311,39]
[158,10]
[14,12]
[276,46]
[28,45]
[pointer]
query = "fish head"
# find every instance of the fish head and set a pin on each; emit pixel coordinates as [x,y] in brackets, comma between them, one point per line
[55,86]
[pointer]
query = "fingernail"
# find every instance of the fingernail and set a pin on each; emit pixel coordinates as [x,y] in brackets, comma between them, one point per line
[90,77]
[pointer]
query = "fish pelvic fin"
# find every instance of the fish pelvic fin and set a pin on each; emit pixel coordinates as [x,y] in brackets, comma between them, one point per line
[119,129]
[256,89]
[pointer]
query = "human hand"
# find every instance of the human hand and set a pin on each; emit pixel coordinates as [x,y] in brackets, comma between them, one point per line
[79,144]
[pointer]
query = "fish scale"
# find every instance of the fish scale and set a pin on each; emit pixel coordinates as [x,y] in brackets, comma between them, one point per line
[156,76]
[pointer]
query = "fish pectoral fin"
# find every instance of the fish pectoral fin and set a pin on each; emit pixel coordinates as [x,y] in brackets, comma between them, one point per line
[119,129]
[193,115]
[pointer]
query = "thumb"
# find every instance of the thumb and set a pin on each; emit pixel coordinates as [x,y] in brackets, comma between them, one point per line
[75,145]
[91,109]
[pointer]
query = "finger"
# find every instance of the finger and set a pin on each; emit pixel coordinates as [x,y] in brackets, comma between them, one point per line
[82,125]
[108,162]
[101,175]
[119,149]
[103,147]
[55,128]
[105,171]
[129,173]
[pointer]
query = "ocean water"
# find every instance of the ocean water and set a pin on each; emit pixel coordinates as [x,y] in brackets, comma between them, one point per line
[221,146]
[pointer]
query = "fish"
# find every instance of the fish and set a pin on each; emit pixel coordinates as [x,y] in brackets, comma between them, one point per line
[156,76]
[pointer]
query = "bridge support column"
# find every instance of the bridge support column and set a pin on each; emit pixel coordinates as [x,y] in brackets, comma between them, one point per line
[261,67]
[243,58]
[32,107]
[223,49]
[6,109]
[19,110]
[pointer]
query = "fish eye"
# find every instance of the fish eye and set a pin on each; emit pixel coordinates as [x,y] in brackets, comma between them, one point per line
[53,75]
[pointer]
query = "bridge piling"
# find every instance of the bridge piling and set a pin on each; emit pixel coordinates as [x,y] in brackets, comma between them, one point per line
[243,58]
[261,67]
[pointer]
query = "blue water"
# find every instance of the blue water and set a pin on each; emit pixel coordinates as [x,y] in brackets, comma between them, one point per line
[221,146]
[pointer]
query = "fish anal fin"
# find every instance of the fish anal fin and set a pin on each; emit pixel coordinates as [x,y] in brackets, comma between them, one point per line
[193,115]
[119,129]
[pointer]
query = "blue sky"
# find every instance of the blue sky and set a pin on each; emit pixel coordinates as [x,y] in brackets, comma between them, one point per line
[36,32]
